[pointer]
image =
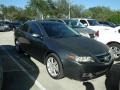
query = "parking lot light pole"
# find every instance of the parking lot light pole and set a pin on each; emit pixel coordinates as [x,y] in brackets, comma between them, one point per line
[69,11]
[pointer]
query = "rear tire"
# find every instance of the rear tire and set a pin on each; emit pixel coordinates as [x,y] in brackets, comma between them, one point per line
[54,66]
[115,47]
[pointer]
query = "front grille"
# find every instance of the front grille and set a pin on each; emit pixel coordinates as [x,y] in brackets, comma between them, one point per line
[91,35]
[104,58]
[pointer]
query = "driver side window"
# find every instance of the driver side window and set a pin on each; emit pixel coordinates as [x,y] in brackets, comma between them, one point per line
[24,27]
[34,29]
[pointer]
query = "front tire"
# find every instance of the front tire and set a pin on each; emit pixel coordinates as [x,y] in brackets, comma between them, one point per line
[54,66]
[115,48]
[113,78]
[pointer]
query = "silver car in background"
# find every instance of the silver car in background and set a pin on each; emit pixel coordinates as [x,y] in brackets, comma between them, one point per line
[3,26]
[77,26]
[80,28]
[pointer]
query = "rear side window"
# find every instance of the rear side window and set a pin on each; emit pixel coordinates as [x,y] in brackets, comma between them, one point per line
[83,21]
[24,27]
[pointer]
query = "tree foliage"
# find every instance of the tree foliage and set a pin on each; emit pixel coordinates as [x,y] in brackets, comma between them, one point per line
[36,9]
[115,17]
[77,11]
[100,13]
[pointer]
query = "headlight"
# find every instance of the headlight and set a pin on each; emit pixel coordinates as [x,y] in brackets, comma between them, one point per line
[84,59]
[85,34]
[81,58]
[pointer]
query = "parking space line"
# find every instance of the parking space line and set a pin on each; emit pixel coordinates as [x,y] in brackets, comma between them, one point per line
[40,86]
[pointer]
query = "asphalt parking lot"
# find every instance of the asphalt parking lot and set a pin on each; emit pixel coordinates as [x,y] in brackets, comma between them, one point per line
[25,73]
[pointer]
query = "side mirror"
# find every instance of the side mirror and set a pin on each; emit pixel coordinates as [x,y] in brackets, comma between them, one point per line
[35,35]
[85,24]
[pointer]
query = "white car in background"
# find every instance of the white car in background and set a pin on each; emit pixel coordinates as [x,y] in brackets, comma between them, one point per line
[105,34]
[117,29]
[112,39]
[93,24]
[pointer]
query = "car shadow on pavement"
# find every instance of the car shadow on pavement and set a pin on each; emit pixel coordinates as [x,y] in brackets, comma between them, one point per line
[113,78]
[19,72]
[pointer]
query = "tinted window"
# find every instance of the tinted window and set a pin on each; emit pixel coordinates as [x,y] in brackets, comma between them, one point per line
[75,24]
[58,30]
[24,27]
[93,22]
[34,29]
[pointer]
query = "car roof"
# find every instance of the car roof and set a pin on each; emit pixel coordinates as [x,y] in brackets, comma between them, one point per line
[55,19]
[42,21]
[83,18]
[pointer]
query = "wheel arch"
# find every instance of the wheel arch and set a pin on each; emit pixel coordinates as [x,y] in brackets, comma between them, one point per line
[112,42]
[49,52]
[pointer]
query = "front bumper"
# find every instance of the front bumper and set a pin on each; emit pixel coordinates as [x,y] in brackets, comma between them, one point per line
[85,71]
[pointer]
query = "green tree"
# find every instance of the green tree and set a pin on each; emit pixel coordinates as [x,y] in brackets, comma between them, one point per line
[42,7]
[115,17]
[100,13]
[77,11]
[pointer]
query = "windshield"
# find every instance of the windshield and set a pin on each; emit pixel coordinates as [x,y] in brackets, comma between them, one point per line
[74,24]
[59,30]
[112,24]
[93,22]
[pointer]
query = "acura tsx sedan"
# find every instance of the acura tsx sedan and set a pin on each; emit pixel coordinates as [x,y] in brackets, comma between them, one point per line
[62,50]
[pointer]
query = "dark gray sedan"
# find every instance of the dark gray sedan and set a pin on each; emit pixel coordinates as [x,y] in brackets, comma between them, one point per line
[63,50]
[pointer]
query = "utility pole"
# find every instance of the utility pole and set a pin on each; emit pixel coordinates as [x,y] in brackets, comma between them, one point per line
[40,14]
[69,16]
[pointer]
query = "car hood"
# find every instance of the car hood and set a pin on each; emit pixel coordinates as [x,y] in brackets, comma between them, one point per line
[85,30]
[80,45]
[97,28]
[117,28]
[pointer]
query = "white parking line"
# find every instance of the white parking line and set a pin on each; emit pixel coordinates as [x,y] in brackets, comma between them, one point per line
[40,86]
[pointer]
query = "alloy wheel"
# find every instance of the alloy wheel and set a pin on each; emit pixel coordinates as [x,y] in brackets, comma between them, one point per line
[53,67]
[115,51]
